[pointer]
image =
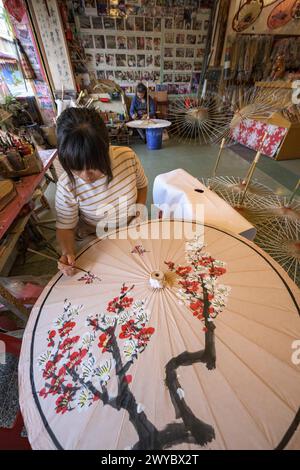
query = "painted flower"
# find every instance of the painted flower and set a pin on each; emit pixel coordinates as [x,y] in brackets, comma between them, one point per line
[144,336]
[190,286]
[51,335]
[126,302]
[64,400]
[76,358]
[105,341]
[69,343]
[170,265]
[183,270]
[113,305]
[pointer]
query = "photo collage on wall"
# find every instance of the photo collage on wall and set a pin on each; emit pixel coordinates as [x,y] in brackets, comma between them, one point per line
[160,42]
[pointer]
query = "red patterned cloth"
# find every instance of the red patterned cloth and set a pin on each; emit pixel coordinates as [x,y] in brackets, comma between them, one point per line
[250,132]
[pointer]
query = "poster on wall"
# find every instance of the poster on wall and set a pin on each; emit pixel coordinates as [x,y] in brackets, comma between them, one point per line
[22,29]
[52,34]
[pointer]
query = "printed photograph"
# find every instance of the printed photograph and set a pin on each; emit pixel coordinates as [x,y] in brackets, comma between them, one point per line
[180,52]
[141,60]
[191,39]
[168,52]
[97,22]
[131,42]
[87,41]
[168,77]
[100,59]
[121,60]
[99,42]
[140,43]
[157,25]
[189,53]
[168,65]
[148,44]
[148,24]
[139,23]
[157,60]
[130,23]
[179,38]
[121,42]
[169,38]
[110,60]
[168,23]
[149,60]
[85,22]
[111,42]
[156,44]
[109,23]
[120,24]
[131,60]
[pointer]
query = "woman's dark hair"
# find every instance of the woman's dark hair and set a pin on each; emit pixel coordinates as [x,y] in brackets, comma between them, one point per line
[141,88]
[83,142]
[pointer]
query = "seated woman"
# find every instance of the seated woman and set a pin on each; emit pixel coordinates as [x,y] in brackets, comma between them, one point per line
[101,183]
[138,108]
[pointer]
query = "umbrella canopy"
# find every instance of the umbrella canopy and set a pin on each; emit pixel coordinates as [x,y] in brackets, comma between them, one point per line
[177,345]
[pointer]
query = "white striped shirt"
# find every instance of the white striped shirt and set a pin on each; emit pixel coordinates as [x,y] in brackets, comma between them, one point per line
[94,202]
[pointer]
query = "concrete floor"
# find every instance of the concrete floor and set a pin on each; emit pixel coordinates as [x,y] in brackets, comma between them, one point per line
[199,161]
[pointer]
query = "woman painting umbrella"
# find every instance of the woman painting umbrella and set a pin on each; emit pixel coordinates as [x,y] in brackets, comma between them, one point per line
[101,183]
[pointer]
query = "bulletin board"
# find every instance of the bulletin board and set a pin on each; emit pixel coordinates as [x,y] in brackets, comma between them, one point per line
[48,21]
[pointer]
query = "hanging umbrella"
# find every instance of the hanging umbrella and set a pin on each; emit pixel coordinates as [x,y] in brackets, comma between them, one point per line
[178,346]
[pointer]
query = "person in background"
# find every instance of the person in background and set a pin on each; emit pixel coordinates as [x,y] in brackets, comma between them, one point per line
[100,187]
[138,108]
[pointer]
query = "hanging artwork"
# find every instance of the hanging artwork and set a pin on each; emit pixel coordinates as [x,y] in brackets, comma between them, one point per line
[247,15]
[281,14]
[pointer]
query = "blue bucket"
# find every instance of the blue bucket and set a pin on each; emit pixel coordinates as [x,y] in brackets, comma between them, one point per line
[154,138]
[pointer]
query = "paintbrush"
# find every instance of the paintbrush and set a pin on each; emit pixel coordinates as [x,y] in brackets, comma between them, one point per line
[43,255]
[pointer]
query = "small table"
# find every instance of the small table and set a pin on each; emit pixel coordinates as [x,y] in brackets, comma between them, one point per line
[25,190]
[154,130]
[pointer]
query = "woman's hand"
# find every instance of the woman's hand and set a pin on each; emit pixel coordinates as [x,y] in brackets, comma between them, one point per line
[66,264]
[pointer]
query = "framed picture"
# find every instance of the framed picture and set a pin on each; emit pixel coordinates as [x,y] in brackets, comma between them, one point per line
[85,22]
[131,42]
[148,24]
[149,60]
[191,39]
[110,60]
[169,38]
[121,42]
[121,60]
[157,60]
[139,23]
[141,60]
[157,25]
[140,43]
[100,59]
[111,42]
[168,65]
[129,22]
[156,44]
[131,60]
[97,22]
[189,53]
[168,23]
[168,52]
[109,23]
[180,38]
[180,52]
[87,41]
[99,42]
[120,24]
[148,44]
